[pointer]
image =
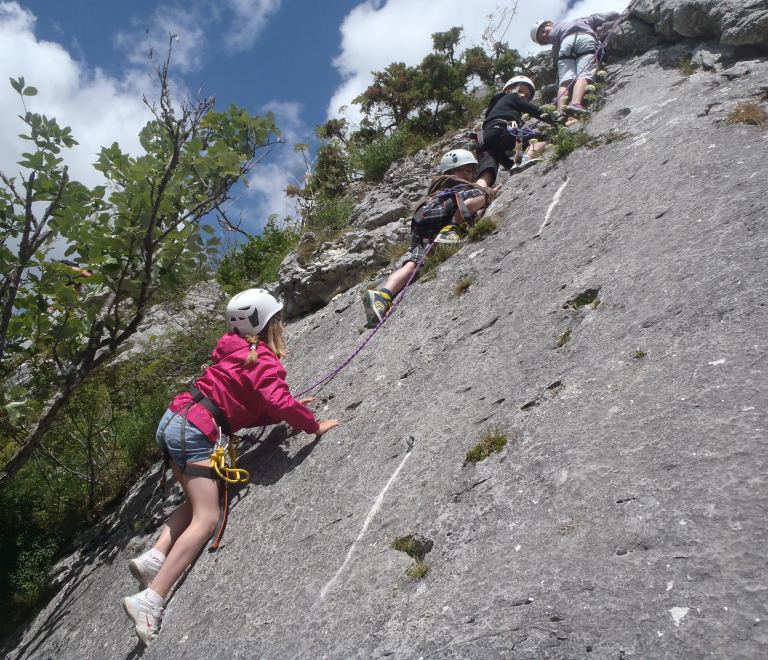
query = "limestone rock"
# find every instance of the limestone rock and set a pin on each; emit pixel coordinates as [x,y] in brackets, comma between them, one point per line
[336,266]
[734,22]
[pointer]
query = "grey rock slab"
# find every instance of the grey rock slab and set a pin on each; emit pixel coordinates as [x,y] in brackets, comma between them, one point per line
[625,518]
[735,22]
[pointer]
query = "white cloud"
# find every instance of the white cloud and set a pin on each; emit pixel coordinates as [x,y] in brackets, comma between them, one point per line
[245,20]
[250,17]
[188,51]
[374,35]
[100,109]
[266,195]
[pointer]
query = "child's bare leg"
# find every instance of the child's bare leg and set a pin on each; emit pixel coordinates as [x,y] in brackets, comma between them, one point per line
[174,528]
[562,95]
[536,148]
[397,280]
[579,89]
[485,178]
[203,498]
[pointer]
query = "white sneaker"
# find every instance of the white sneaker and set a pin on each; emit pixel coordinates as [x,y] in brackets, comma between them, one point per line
[145,616]
[144,568]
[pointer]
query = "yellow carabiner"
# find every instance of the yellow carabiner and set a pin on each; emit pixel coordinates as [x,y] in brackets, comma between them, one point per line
[231,474]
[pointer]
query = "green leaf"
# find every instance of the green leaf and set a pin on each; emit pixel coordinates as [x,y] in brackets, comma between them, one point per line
[30,91]
[208,229]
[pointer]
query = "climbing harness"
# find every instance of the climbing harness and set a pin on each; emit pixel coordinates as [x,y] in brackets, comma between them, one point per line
[219,470]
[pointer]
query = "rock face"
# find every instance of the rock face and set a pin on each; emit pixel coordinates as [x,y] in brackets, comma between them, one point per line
[381,221]
[626,516]
[734,22]
[337,266]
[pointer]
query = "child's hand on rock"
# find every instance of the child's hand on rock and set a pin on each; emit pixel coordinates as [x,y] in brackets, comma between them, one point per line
[326,426]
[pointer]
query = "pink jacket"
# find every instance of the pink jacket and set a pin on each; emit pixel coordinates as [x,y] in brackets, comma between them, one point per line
[248,396]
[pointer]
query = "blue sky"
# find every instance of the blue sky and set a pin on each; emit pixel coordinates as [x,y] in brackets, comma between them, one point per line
[301,59]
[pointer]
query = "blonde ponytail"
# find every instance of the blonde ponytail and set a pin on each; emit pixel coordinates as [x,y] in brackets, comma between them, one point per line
[272,335]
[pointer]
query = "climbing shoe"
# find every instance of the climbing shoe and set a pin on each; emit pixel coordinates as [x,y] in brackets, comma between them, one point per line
[146,616]
[377,304]
[528,161]
[448,234]
[144,568]
[575,110]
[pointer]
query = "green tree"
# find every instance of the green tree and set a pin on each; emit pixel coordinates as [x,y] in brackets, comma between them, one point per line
[133,238]
[257,261]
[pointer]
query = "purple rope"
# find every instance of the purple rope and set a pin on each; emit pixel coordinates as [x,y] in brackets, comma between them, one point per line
[375,330]
[597,52]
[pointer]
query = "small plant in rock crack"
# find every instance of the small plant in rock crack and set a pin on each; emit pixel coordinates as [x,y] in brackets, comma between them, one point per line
[563,339]
[685,66]
[482,228]
[491,440]
[404,544]
[614,136]
[748,113]
[418,570]
[360,331]
[639,354]
[462,285]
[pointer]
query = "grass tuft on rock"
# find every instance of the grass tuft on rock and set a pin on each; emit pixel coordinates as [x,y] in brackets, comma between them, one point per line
[462,285]
[482,228]
[748,113]
[491,440]
[639,354]
[563,339]
[566,142]
[685,66]
[418,570]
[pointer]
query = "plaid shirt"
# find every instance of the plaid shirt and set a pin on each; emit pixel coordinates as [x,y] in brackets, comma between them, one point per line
[437,213]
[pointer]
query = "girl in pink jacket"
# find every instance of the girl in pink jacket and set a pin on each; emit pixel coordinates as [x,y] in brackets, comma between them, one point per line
[244,387]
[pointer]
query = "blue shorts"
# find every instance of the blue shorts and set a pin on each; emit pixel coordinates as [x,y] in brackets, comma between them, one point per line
[197,447]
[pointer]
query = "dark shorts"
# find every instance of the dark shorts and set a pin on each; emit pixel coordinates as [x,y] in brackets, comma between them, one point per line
[496,143]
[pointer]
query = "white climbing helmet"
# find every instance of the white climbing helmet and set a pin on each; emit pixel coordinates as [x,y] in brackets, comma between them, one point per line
[521,80]
[249,311]
[456,158]
[535,31]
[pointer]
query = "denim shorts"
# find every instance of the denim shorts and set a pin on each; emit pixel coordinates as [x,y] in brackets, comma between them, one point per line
[196,444]
[577,58]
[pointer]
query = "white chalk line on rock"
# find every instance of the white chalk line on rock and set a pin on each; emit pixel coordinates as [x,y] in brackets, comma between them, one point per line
[374,510]
[551,208]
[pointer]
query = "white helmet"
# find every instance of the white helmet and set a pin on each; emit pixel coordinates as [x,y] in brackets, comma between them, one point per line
[521,80]
[456,158]
[535,31]
[249,311]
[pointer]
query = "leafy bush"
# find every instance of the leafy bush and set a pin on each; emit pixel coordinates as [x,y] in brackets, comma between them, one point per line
[329,216]
[258,260]
[30,579]
[376,156]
